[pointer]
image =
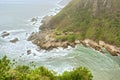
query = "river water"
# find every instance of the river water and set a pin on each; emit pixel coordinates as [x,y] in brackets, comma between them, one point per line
[15,18]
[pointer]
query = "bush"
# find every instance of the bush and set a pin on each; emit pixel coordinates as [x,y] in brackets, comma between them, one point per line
[7,72]
[79,73]
[4,67]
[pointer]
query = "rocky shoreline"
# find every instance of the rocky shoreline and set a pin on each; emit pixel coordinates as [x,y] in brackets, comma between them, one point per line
[44,40]
[112,49]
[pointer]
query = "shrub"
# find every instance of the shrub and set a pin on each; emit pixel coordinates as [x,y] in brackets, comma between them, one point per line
[7,72]
[79,73]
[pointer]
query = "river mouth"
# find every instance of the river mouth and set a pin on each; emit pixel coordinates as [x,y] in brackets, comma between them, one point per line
[103,66]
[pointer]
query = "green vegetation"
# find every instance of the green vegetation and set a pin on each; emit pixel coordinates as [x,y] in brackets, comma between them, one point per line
[70,38]
[77,74]
[66,36]
[7,72]
[94,19]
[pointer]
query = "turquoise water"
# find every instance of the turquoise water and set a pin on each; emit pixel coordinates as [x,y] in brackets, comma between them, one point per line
[15,16]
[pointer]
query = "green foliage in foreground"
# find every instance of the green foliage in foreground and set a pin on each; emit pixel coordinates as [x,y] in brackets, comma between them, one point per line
[7,72]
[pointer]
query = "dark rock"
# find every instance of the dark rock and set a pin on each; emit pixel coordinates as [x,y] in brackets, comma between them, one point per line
[34,54]
[34,19]
[14,40]
[4,34]
[29,52]
[32,37]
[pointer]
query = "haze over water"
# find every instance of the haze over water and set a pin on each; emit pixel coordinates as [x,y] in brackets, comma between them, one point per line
[15,18]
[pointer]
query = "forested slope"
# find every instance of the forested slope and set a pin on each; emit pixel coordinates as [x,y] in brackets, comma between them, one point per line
[94,19]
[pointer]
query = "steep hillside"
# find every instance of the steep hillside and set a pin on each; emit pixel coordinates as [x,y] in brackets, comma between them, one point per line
[94,19]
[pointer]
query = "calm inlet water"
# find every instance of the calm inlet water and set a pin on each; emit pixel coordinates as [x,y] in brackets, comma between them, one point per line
[15,18]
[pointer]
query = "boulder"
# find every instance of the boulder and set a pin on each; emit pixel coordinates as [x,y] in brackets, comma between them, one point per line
[29,52]
[95,45]
[72,44]
[64,44]
[34,19]
[86,42]
[91,43]
[114,51]
[4,34]
[102,43]
[32,37]
[14,40]
[58,44]
[77,41]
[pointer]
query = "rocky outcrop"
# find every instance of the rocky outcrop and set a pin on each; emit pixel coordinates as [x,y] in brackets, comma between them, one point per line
[113,50]
[32,36]
[46,22]
[34,20]
[14,40]
[29,52]
[91,43]
[77,41]
[110,48]
[5,34]
[45,41]
[49,43]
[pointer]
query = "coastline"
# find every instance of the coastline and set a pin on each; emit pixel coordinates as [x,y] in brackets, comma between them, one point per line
[45,40]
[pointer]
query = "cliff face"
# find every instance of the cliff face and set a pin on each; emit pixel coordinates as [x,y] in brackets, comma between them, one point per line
[94,19]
